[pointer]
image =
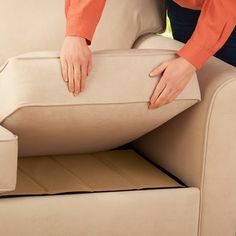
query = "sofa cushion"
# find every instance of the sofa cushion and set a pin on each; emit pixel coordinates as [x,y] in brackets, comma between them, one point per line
[153,41]
[40,25]
[113,110]
[148,212]
[8,160]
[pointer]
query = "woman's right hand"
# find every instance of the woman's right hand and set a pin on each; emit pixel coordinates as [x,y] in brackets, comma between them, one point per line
[76,63]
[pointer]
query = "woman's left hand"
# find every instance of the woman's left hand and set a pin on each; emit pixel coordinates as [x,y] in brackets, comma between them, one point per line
[176,74]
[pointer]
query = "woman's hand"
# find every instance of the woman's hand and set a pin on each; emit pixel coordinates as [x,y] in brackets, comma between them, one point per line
[76,63]
[176,74]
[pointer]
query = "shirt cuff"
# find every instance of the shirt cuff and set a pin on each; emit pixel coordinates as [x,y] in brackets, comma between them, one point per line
[194,53]
[81,28]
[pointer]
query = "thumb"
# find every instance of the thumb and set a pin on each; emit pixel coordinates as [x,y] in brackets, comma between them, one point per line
[158,70]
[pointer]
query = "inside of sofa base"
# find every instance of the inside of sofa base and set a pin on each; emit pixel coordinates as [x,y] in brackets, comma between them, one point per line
[119,169]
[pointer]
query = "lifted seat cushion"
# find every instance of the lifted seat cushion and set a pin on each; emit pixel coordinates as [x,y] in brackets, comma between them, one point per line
[113,110]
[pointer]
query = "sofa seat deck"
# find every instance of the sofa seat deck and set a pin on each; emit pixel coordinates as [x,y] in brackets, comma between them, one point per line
[112,170]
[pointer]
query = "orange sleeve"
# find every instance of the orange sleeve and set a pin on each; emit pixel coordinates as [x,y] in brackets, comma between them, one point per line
[82,17]
[215,24]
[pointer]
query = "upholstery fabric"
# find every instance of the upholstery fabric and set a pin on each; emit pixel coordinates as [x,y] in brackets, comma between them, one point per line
[154,41]
[198,146]
[153,212]
[113,109]
[40,25]
[8,160]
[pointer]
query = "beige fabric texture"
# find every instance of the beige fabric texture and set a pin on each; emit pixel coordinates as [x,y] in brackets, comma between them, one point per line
[40,25]
[161,212]
[8,160]
[198,146]
[112,111]
[112,170]
[154,41]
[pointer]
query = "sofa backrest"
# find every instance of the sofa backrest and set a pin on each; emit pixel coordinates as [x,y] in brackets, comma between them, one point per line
[27,25]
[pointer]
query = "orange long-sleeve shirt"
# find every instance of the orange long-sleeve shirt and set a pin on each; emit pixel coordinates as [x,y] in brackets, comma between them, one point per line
[82,17]
[216,22]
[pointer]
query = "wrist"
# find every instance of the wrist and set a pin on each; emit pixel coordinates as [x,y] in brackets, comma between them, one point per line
[78,39]
[187,64]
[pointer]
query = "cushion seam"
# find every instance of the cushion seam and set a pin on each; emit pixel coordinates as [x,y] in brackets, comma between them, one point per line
[92,104]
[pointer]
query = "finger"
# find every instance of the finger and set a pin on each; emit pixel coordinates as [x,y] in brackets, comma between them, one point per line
[90,65]
[159,88]
[161,100]
[64,69]
[77,78]
[71,77]
[172,95]
[158,70]
[84,71]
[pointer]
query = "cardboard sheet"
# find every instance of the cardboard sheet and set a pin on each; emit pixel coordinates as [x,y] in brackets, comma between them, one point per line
[102,171]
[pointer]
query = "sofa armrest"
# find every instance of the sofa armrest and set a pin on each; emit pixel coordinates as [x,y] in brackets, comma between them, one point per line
[199,147]
[8,160]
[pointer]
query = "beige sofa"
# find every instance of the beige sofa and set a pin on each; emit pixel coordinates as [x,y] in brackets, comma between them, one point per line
[169,171]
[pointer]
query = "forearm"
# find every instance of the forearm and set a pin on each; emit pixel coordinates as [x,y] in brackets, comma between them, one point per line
[215,24]
[82,17]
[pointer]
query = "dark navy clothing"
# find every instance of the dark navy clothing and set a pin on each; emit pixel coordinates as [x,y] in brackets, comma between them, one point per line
[183,22]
